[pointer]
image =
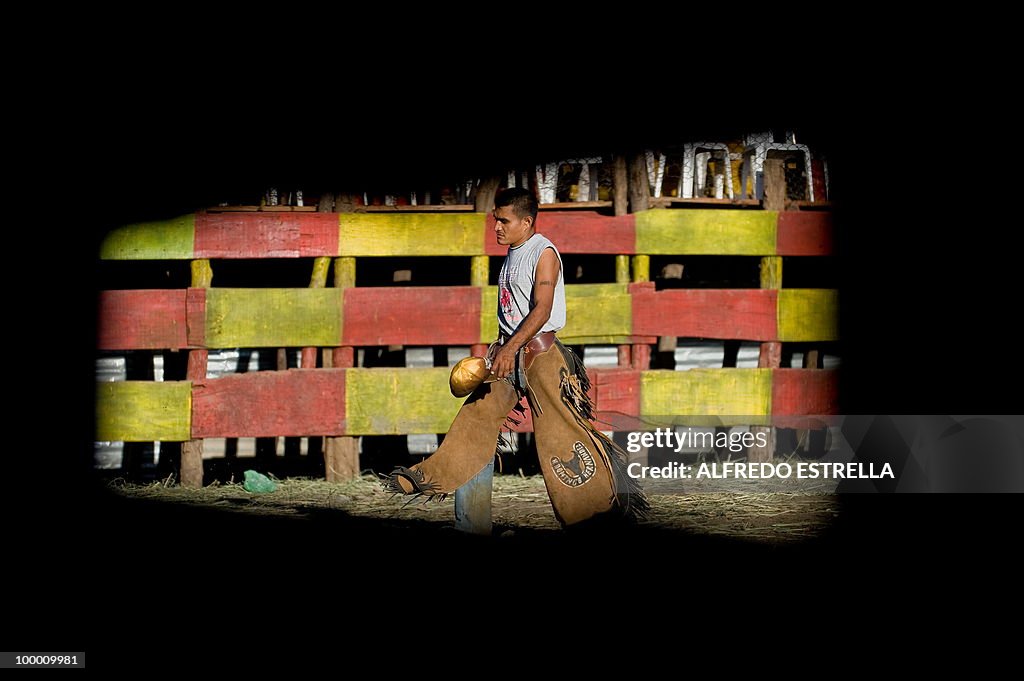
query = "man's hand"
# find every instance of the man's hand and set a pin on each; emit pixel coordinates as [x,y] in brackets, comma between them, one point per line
[504,361]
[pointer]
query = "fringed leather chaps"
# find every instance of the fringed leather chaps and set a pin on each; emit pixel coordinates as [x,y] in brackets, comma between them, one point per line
[584,471]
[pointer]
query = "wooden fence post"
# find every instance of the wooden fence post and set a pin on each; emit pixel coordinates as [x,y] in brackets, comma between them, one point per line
[483,198]
[770,356]
[667,344]
[341,454]
[622,277]
[620,196]
[639,199]
[620,185]
[191,469]
[639,189]
[641,352]
[308,356]
[317,280]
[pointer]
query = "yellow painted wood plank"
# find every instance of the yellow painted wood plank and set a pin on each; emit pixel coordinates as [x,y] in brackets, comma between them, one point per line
[143,411]
[732,396]
[597,310]
[592,310]
[161,240]
[595,340]
[573,291]
[390,401]
[273,317]
[807,314]
[706,232]
[488,314]
[381,234]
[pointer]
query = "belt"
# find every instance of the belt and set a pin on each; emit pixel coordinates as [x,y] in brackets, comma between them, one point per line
[538,344]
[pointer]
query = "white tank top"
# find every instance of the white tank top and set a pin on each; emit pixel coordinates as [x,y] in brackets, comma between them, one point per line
[515,286]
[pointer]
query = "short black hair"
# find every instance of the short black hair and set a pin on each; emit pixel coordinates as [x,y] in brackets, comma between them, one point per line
[521,200]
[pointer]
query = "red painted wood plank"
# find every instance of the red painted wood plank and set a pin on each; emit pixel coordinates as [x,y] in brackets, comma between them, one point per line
[578,232]
[246,235]
[318,234]
[616,394]
[195,316]
[141,320]
[804,233]
[267,403]
[415,315]
[641,287]
[805,391]
[737,314]
[265,235]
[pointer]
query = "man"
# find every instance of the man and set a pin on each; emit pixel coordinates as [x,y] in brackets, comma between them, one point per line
[584,472]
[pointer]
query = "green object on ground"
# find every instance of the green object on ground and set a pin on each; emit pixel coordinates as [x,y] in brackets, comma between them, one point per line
[257,483]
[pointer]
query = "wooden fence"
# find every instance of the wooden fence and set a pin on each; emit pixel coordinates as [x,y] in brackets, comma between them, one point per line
[344,401]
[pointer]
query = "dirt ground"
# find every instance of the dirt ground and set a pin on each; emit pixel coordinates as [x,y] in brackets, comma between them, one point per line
[747,512]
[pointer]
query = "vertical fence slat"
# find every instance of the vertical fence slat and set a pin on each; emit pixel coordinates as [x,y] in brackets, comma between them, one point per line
[641,352]
[190,471]
[770,355]
[341,454]
[317,280]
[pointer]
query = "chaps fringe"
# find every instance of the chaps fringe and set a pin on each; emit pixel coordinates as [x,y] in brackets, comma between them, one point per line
[575,384]
[421,486]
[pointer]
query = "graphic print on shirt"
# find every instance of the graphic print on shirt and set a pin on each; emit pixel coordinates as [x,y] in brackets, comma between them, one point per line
[508,274]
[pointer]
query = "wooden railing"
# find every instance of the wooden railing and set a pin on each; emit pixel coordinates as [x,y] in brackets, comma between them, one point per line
[345,401]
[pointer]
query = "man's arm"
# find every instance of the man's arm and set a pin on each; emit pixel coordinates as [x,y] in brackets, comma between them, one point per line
[544,280]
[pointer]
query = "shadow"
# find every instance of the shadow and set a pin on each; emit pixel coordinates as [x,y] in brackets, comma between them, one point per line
[126,532]
[518,455]
[234,528]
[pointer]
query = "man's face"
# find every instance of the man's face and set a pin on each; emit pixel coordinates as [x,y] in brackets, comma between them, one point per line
[510,229]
